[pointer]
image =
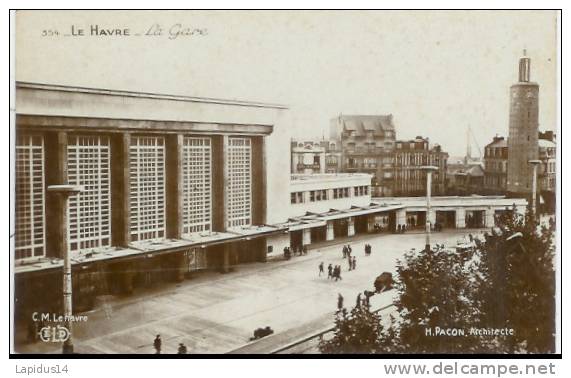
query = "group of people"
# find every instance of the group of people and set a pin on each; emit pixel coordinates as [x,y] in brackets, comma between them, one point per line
[289,252]
[401,228]
[347,250]
[351,260]
[158,343]
[379,228]
[368,249]
[333,272]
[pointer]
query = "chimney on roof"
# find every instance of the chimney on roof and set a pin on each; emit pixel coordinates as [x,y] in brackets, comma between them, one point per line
[524,68]
[546,135]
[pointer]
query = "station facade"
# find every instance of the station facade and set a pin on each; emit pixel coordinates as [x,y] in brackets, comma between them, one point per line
[171,185]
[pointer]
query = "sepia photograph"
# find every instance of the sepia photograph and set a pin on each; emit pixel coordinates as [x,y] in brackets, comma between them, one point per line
[304,183]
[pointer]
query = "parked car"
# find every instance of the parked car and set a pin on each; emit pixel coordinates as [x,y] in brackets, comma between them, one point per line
[384,282]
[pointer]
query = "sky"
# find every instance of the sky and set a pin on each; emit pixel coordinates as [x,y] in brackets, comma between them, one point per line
[437,72]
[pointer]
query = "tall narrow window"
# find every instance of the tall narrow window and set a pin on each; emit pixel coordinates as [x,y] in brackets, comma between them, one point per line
[89,212]
[147,185]
[30,215]
[239,182]
[196,173]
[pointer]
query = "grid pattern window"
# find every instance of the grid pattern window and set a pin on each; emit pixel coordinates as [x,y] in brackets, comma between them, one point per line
[240,182]
[341,193]
[30,197]
[296,197]
[89,212]
[361,191]
[197,185]
[147,187]
[318,195]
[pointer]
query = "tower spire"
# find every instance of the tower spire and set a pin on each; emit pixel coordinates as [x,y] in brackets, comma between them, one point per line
[468,145]
[524,68]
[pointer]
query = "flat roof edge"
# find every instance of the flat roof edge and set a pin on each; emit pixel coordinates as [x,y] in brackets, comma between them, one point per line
[158,96]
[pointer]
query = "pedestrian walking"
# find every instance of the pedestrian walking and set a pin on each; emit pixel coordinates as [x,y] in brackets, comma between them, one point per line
[344,251]
[349,250]
[354,263]
[338,273]
[350,262]
[339,301]
[181,348]
[330,271]
[157,344]
[321,269]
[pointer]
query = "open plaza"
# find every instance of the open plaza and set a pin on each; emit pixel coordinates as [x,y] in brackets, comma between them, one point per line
[217,313]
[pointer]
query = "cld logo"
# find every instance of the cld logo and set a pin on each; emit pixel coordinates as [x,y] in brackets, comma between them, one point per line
[54,334]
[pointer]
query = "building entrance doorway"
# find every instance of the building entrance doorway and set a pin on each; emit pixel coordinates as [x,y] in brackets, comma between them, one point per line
[445,219]
[340,227]
[361,224]
[318,234]
[296,239]
[475,218]
[415,220]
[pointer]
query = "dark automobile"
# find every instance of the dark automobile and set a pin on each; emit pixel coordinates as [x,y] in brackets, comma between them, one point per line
[384,282]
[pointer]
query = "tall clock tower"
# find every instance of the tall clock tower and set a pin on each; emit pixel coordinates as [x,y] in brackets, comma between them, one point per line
[523,133]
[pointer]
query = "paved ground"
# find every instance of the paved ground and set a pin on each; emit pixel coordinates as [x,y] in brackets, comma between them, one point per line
[217,313]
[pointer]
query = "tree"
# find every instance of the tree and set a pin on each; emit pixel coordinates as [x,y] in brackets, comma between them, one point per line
[435,302]
[357,331]
[517,284]
[508,281]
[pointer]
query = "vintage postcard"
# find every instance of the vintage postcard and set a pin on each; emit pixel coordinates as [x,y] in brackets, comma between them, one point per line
[285,182]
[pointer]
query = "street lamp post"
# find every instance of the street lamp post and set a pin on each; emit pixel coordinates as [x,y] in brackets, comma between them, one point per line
[64,192]
[429,169]
[534,163]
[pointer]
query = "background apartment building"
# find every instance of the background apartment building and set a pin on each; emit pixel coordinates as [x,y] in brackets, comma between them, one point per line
[496,164]
[307,157]
[409,158]
[366,143]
